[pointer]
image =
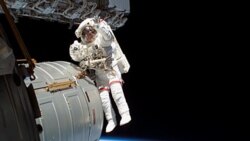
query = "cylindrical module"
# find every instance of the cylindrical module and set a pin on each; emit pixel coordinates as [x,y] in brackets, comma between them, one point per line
[70,108]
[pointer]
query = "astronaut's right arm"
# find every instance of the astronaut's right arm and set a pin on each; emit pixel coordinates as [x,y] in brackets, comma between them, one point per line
[77,51]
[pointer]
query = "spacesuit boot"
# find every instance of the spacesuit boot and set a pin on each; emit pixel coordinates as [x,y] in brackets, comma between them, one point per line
[108,111]
[119,98]
[110,126]
[126,118]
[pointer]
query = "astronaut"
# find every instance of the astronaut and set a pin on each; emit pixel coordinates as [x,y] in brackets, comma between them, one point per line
[99,51]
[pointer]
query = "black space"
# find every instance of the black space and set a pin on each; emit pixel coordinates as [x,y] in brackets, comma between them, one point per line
[173,88]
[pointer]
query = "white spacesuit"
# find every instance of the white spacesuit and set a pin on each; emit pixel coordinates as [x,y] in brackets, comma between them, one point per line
[100,51]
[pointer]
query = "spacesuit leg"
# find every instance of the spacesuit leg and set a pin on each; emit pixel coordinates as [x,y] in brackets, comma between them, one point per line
[119,98]
[108,110]
[106,103]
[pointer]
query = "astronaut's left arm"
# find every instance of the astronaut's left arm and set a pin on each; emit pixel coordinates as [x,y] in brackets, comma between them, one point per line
[104,29]
[110,59]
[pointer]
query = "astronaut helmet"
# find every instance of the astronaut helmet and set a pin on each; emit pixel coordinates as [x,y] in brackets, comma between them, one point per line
[89,22]
[86,23]
[89,34]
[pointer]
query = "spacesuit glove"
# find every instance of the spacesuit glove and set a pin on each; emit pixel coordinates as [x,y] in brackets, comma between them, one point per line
[84,65]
